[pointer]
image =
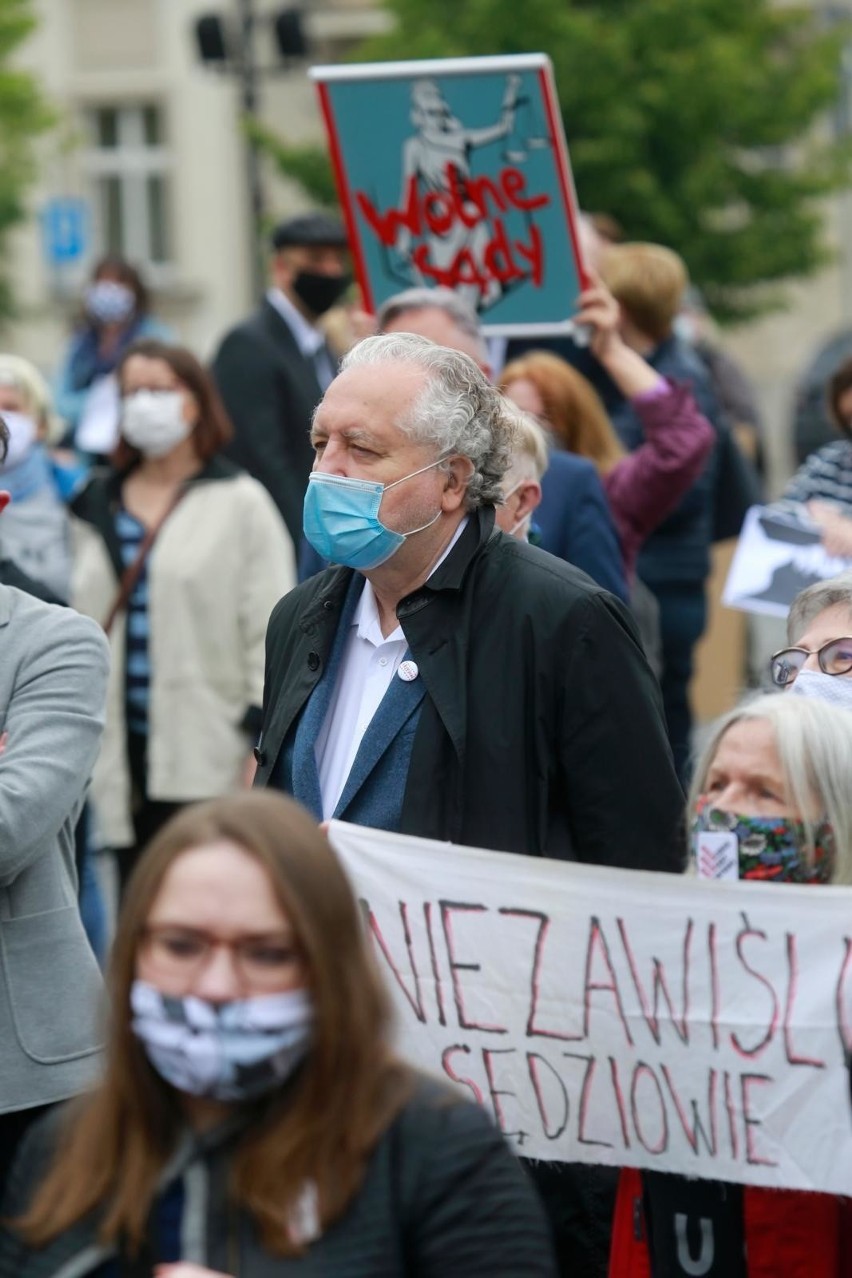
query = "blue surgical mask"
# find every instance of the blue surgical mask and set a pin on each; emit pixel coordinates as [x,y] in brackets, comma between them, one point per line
[341,519]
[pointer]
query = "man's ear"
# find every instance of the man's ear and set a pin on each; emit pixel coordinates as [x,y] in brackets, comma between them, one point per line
[529,498]
[459,472]
[458,475]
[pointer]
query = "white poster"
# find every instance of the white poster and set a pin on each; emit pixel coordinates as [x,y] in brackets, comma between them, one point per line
[777,556]
[622,1017]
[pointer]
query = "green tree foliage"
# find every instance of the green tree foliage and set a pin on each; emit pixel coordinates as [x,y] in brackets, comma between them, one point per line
[307,165]
[695,123]
[23,115]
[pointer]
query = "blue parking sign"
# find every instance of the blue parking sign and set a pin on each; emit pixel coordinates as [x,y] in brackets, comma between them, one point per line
[64,225]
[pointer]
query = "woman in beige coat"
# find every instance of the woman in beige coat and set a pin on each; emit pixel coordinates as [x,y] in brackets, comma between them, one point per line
[181,557]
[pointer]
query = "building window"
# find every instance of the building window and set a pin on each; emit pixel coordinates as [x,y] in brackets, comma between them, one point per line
[128,165]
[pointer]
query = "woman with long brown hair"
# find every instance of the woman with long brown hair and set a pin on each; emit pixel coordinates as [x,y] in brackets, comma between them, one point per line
[644,486]
[253,1119]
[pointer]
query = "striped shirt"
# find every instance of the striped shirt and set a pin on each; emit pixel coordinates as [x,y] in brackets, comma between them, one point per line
[131,534]
[824,476]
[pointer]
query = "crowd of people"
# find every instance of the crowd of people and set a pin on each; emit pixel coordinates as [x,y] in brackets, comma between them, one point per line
[388,572]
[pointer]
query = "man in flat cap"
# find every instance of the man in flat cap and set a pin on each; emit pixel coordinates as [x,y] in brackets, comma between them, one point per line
[273,368]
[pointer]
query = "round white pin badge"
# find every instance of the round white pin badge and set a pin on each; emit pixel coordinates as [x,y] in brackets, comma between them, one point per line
[408,671]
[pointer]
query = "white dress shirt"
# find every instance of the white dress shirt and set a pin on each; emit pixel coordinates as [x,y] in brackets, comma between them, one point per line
[309,339]
[368,665]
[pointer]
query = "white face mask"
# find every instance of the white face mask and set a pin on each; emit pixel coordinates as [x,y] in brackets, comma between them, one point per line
[519,523]
[153,421]
[834,689]
[22,435]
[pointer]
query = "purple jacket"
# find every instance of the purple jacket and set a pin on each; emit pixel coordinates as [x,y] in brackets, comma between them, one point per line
[646,485]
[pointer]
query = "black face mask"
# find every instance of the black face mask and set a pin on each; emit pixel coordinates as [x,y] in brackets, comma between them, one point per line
[318,293]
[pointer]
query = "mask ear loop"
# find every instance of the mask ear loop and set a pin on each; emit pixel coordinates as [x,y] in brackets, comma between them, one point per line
[519,523]
[421,471]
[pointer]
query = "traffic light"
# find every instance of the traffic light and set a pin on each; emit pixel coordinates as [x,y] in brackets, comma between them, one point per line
[289,34]
[211,39]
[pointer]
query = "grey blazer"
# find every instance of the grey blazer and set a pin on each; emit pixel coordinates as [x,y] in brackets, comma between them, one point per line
[53,675]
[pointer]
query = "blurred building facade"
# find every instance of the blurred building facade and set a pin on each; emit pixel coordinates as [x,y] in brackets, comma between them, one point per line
[150,141]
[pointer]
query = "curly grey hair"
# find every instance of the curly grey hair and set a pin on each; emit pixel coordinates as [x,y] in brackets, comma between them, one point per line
[458,411]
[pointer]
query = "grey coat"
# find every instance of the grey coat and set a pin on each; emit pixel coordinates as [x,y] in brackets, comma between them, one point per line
[53,674]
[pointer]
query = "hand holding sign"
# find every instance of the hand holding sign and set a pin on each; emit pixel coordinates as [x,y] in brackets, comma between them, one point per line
[836,528]
[599,315]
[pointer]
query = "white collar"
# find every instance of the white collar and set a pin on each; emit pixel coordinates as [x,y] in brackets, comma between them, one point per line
[309,339]
[366,615]
[367,619]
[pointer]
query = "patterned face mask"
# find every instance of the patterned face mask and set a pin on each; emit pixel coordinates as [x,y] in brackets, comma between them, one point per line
[772,849]
[230,1051]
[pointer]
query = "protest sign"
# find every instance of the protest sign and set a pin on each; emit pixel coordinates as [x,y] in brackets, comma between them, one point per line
[622,1017]
[778,554]
[455,172]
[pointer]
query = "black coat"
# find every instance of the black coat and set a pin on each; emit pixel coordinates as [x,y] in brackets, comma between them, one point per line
[542,728]
[442,1197]
[270,391]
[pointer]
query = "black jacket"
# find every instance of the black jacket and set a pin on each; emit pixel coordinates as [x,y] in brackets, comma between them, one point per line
[542,729]
[270,391]
[442,1197]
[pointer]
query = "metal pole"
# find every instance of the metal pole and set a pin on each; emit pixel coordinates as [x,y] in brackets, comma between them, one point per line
[249,103]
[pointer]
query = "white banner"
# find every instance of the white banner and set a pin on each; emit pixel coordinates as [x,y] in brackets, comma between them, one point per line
[610,1016]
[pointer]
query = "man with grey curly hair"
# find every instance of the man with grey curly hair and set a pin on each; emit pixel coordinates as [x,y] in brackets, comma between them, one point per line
[445,679]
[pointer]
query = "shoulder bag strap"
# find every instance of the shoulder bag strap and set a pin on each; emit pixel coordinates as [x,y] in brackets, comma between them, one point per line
[133,571]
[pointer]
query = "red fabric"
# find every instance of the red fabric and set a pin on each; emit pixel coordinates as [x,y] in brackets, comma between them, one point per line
[628,1256]
[789,1233]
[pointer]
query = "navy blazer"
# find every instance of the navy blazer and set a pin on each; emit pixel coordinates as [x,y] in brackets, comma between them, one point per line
[574,522]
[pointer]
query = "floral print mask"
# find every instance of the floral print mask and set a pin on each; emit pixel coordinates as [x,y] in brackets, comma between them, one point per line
[772,849]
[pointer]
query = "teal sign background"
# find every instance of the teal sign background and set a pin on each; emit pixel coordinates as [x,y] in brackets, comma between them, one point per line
[457,178]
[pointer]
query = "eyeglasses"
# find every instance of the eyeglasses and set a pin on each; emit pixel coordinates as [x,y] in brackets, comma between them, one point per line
[180,954]
[834,657]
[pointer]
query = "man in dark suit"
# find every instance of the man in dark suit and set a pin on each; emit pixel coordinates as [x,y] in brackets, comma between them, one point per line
[273,368]
[452,682]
